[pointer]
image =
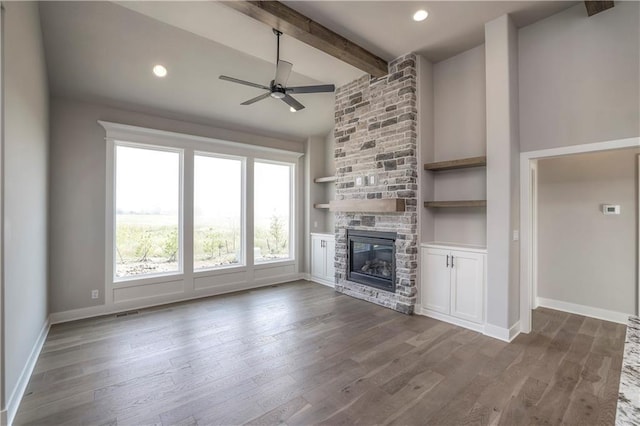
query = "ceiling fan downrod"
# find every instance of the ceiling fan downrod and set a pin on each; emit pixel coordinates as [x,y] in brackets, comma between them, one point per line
[278,34]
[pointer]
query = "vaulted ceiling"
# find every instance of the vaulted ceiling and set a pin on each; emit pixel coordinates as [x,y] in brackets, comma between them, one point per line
[104,52]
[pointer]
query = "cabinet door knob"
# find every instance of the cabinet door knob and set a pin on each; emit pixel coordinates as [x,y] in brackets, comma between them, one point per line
[452,261]
[447,261]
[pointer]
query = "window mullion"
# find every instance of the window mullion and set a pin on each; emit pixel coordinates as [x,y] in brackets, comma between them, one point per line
[249,212]
[187,216]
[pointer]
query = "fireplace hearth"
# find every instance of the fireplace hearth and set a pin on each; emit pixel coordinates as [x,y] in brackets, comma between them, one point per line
[371,259]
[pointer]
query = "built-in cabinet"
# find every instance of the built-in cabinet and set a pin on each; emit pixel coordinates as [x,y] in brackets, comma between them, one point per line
[453,283]
[323,253]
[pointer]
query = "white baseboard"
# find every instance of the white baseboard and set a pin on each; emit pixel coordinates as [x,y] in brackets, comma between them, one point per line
[96,311]
[447,318]
[319,281]
[15,397]
[502,333]
[587,311]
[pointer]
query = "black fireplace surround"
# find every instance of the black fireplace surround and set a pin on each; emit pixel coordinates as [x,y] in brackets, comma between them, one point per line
[372,259]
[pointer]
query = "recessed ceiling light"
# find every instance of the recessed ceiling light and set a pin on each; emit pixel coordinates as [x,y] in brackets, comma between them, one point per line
[159,71]
[292,109]
[420,15]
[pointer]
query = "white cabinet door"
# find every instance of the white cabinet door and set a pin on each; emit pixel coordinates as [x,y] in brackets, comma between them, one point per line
[330,254]
[317,257]
[467,286]
[435,280]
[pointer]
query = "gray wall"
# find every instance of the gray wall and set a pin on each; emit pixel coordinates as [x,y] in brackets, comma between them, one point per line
[579,79]
[585,257]
[460,132]
[501,41]
[25,188]
[330,170]
[78,166]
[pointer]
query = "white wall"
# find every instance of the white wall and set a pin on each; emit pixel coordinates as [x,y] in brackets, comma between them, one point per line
[25,193]
[585,257]
[460,132]
[579,78]
[78,167]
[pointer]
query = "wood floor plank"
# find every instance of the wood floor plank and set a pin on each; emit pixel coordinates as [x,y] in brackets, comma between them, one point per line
[301,354]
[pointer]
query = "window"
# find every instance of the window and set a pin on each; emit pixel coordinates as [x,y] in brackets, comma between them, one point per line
[217,223]
[148,211]
[273,206]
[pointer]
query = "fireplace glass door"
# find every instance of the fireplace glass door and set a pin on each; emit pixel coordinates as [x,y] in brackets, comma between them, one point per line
[372,259]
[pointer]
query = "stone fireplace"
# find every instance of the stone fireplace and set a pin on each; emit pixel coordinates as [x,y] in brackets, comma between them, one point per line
[376,135]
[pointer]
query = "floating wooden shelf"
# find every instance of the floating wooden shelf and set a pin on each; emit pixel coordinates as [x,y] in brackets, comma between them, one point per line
[462,163]
[462,203]
[385,205]
[321,206]
[325,179]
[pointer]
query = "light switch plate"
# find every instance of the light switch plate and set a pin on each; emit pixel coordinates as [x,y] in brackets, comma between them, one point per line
[611,209]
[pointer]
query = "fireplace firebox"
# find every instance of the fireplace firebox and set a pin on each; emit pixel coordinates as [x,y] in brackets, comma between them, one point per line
[372,259]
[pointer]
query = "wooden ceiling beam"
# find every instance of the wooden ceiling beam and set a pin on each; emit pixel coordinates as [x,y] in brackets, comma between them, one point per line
[594,7]
[295,24]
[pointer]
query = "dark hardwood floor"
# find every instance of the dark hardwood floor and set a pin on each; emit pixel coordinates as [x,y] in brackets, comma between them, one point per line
[302,354]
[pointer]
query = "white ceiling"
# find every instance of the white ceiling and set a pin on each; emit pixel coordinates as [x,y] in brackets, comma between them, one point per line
[105,51]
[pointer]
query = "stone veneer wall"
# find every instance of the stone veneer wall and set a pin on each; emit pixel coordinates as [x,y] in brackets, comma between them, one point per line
[375,133]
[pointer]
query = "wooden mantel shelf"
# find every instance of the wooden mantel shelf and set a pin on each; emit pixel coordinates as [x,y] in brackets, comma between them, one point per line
[385,205]
[325,179]
[462,163]
[463,203]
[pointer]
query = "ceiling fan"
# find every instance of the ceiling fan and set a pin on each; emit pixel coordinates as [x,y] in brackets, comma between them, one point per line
[278,87]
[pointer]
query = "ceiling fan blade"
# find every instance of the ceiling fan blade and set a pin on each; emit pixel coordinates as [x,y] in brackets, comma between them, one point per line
[246,83]
[256,99]
[323,88]
[293,103]
[283,70]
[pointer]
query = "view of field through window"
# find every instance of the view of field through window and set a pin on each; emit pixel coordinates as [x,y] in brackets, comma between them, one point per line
[147,202]
[217,234]
[147,211]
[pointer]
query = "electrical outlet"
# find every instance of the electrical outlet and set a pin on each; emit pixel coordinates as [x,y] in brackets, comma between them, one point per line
[315,223]
[95,294]
[516,235]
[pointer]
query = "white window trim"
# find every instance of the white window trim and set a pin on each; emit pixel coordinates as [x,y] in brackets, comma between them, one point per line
[183,286]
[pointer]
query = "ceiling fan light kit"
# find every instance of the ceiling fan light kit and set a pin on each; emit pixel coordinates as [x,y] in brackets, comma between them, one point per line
[278,89]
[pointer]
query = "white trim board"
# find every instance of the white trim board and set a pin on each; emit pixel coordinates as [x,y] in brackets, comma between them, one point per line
[528,261]
[493,331]
[144,135]
[17,394]
[100,310]
[501,333]
[587,311]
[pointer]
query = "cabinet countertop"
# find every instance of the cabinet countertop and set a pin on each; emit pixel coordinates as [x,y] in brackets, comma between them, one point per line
[455,246]
[324,234]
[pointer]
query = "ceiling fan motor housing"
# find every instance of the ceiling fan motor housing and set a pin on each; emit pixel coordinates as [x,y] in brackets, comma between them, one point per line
[277,91]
